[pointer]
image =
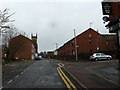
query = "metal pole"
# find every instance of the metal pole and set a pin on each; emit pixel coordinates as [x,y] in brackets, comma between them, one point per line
[75,46]
[118,39]
[56,46]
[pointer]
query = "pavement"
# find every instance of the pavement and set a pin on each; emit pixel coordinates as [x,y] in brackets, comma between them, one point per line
[100,74]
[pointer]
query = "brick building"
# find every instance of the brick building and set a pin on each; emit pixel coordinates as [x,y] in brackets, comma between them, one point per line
[89,41]
[22,47]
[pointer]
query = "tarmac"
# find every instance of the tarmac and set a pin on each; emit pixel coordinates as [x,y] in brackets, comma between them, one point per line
[96,74]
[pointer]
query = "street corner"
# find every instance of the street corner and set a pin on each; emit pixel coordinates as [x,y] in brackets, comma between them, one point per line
[92,75]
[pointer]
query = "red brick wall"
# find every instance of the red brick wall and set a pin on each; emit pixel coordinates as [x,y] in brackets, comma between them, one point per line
[86,46]
[89,40]
[21,47]
[115,10]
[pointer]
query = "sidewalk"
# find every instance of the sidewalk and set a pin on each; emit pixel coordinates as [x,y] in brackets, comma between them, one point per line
[96,74]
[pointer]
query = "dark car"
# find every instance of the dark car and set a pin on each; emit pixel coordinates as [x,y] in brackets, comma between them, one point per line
[38,58]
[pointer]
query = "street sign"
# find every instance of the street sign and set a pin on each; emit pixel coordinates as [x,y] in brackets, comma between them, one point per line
[107,8]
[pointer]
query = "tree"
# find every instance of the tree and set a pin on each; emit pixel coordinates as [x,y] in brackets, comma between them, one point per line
[5,17]
[8,31]
[11,33]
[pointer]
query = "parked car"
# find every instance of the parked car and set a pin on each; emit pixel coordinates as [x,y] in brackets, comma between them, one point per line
[100,56]
[38,58]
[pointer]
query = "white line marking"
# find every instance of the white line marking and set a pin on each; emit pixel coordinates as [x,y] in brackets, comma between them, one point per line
[21,73]
[16,76]
[1,88]
[10,81]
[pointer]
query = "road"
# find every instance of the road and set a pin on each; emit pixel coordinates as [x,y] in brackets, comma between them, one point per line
[41,74]
[100,74]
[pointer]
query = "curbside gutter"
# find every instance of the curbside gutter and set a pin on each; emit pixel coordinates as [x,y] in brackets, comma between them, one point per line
[70,81]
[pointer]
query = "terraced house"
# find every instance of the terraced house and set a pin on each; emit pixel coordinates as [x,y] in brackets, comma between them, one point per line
[89,41]
[23,47]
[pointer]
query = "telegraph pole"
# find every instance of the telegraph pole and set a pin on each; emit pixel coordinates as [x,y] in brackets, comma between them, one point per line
[76,56]
[56,46]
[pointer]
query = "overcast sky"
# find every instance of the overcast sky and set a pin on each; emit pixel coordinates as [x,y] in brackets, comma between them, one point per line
[54,22]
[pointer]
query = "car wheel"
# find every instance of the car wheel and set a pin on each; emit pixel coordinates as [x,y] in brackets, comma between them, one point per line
[96,59]
[109,58]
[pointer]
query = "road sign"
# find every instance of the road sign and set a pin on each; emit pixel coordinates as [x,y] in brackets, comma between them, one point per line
[107,8]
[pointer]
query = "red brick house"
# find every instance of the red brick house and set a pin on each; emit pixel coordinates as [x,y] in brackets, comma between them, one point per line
[89,41]
[22,47]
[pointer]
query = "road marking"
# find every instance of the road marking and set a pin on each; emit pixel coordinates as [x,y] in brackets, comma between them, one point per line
[1,88]
[60,65]
[21,73]
[10,81]
[16,76]
[68,79]
[66,83]
[75,78]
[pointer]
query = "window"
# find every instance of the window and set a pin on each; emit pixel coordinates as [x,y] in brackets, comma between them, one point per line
[90,41]
[107,42]
[90,35]
[73,53]
[73,43]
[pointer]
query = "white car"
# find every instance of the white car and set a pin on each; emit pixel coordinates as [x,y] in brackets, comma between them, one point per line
[100,56]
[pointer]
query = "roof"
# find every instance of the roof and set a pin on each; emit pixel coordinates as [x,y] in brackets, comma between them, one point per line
[82,33]
[21,36]
[110,36]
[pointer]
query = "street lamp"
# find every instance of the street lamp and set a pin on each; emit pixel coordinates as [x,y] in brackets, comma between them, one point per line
[76,56]
[55,52]
[1,41]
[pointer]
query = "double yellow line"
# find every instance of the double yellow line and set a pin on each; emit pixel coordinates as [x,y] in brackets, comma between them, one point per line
[66,80]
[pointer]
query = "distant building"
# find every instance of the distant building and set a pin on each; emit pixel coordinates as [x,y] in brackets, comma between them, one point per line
[50,54]
[22,47]
[89,41]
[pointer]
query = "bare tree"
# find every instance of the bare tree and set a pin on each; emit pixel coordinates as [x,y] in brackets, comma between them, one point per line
[7,31]
[5,17]
[11,33]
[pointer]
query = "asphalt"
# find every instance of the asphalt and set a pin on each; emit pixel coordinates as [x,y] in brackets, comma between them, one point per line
[101,74]
[40,74]
[43,74]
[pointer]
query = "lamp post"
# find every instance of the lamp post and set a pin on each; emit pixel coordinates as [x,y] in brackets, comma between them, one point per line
[55,52]
[1,40]
[76,56]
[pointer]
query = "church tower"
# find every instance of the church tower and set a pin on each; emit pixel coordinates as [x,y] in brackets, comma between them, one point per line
[34,39]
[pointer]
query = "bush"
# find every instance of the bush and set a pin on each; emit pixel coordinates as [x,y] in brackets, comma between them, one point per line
[84,55]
